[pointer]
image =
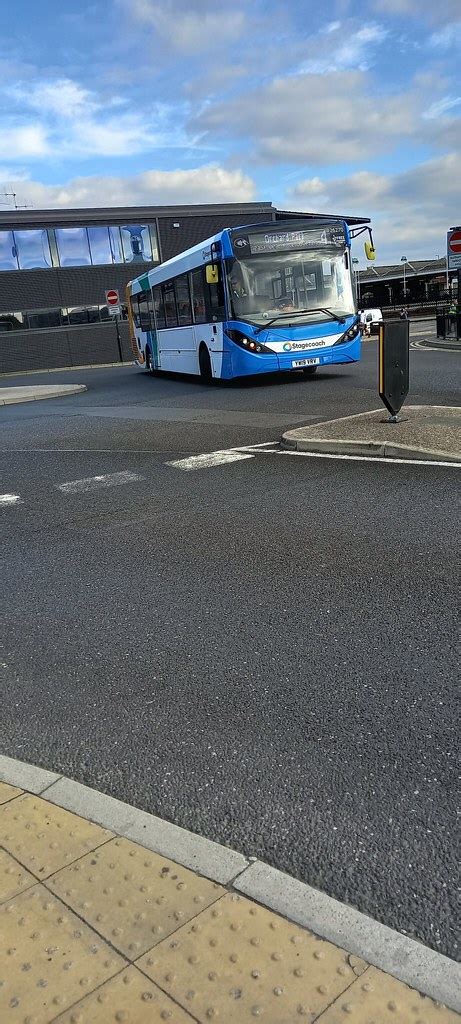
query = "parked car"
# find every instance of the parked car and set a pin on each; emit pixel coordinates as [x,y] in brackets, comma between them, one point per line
[370,319]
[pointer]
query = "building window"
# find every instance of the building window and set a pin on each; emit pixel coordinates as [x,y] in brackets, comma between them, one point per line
[37,319]
[183,302]
[73,248]
[11,322]
[136,243]
[100,247]
[8,253]
[33,249]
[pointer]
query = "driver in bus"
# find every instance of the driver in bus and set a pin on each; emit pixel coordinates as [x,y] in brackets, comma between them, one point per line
[237,289]
[284,304]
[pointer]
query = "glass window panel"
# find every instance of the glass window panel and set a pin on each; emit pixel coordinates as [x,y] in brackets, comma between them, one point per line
[171,318]
[77,314]
[115,245]
[154,242]
[8,255]
[40,318]
[183,300]
[33,249]
[93,314]
[12,322]
[104,313]
[100,247]
[144,311]
[158,306]
[136,243]
[198,297]
[73,247]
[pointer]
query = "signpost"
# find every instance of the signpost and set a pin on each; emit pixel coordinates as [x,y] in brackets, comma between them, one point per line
[115,309]
[394,365]
[454,248]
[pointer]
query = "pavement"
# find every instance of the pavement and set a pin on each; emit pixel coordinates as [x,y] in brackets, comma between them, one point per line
[38,392]
[431,432]
[98,928]
[260,646]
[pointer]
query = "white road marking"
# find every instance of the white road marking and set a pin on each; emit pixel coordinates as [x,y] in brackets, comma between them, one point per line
[10,499]
[208,460]
[235,454]
[92,483]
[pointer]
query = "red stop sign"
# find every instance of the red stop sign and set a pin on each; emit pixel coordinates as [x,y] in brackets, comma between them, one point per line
[454,241]
[112,297]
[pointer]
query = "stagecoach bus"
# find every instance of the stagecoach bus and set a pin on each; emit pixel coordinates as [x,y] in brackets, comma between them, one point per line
[255,299]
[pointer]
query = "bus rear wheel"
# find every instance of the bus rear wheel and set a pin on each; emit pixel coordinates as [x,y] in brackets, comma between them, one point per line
[309,371]
[204,360]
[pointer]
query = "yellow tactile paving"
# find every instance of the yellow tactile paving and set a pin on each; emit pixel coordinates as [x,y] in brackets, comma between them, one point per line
[129,998]
[376,998]
[13,877]
[45,838]
[8,792]
[49,959]
[132,896]
[238,961]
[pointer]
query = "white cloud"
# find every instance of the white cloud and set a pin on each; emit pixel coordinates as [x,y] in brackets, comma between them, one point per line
[189,28]
[410,210]
[319,119]
[356,51]
[76,123]
[210,183]
[422,9]
[448,38]
[441,107]
[24,141]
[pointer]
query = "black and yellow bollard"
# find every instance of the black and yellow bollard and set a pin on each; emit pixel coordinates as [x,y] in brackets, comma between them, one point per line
[394,365]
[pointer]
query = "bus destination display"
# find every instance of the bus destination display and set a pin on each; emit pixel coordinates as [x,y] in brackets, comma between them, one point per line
[284,241]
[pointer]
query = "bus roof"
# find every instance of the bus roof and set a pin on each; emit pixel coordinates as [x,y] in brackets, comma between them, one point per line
[188,260]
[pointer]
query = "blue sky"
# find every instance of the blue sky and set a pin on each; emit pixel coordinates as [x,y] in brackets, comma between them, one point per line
[354,111]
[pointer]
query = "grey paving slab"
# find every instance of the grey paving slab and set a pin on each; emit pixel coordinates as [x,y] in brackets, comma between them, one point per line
[430,431]
[25,776]
[37,392]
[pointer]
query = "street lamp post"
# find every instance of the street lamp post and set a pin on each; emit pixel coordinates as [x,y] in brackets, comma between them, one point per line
[404,260]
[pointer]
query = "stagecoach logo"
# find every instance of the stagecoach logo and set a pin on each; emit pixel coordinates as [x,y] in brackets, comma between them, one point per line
[241,242]
[287,347]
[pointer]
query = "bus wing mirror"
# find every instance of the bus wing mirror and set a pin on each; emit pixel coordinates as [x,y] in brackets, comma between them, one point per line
[370,251]
[212,274]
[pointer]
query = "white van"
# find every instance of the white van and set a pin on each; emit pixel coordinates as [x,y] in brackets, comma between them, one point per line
[370,319]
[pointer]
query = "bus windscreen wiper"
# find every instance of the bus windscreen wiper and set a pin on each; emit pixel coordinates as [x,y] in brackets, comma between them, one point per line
[299,312]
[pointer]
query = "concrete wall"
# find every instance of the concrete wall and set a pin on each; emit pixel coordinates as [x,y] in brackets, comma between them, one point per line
[71,346]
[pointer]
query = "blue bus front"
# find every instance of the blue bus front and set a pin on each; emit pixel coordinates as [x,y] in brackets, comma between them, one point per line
[290,298]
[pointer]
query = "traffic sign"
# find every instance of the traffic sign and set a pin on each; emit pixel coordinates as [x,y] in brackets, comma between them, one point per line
[454,248]
[114,310]
[112,297]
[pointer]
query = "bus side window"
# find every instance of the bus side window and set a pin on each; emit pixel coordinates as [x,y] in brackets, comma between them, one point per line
[169,301]
[181,286]
[158,306]
[198,296]
[215,298]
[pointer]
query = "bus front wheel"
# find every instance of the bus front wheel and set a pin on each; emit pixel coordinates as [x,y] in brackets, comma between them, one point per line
[204,360]
[310,370]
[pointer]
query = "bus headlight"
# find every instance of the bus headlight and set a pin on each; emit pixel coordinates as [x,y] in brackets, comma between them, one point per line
[250,344]
[350,334]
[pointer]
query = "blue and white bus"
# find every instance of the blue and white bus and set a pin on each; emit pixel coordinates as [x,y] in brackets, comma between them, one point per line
[254,299]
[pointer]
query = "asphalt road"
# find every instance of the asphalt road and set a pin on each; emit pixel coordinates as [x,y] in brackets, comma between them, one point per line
[261,651]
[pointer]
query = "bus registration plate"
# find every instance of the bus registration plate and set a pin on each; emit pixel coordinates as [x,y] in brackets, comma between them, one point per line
[305,362]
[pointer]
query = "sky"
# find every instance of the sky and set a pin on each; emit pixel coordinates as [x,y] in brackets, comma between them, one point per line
[352,107]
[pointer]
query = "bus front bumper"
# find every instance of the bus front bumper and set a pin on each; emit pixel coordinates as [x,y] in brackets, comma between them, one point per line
[245,363]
